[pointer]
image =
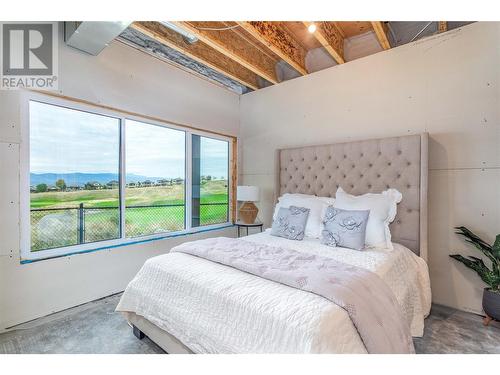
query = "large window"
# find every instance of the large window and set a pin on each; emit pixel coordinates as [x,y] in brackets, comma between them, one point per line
[210,198]
[74,169]
[98,179]
[155,189]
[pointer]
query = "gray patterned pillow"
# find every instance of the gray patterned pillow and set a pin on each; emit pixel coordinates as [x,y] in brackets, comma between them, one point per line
[290,223]
[344,228]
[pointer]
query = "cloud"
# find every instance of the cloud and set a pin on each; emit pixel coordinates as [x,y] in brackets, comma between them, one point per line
[154,150]
[64,140]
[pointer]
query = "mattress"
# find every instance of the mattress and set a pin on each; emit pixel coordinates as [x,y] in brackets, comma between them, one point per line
[212,308]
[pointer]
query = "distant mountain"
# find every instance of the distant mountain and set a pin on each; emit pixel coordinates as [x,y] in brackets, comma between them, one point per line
[80,179]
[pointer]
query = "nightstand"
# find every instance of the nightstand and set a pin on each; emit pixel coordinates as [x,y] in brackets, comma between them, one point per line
[240,225]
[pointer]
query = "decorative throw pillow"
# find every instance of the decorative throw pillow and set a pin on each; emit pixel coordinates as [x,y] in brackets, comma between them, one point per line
[344,228]
[383,209]
[316,205]
[290,223]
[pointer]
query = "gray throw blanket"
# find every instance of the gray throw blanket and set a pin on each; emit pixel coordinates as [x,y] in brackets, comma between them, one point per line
[370,303]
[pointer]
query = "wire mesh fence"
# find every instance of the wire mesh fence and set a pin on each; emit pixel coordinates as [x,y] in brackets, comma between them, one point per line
[213,213]
[52,228]
[144,220]
[99,224]
[59,227]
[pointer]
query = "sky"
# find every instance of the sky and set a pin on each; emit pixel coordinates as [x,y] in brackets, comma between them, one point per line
[215,160]
[63,140]
[154,151]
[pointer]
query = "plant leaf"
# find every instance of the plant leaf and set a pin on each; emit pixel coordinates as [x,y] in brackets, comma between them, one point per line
[484,272]
[477,260]
[469,234]
[477,242]
[490,277]
[496,247]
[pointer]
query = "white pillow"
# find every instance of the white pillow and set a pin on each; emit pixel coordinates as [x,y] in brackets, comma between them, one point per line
[383,210]
[316,205]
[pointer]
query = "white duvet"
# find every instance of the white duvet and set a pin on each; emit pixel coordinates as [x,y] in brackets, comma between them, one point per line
[213,308]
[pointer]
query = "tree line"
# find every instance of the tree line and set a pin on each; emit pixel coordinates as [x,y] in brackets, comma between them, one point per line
[61,185]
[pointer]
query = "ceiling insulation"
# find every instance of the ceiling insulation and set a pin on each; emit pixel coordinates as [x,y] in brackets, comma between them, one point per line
[281,50]
[138,40]
[318,59]
[402,32]
[361,45]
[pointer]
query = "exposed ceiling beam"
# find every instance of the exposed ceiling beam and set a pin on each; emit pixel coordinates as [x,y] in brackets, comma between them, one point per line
[233,46]
[331,38]
[272,35]
[198,51]
[339,27]
[380,29]
[442,26]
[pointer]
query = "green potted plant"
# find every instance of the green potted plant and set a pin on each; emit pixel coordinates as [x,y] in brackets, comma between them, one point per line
[491,276]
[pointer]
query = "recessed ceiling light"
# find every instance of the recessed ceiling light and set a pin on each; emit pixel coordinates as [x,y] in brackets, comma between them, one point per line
[311,28]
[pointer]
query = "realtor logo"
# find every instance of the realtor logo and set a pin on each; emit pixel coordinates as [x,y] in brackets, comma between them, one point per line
[29,55]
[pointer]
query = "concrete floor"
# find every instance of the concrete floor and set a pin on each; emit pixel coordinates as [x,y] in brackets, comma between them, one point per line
[96,328]
[91,328]
[449,331]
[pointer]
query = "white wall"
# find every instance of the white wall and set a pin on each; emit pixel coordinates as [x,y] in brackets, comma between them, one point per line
[123,78]
[447,85]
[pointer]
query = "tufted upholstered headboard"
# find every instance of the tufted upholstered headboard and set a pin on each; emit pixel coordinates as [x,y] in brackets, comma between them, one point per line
[360,167]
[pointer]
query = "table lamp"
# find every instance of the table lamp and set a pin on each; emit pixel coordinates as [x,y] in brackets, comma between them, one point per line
[248,210]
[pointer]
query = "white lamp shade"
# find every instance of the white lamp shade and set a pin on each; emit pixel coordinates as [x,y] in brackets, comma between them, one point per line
[247,193]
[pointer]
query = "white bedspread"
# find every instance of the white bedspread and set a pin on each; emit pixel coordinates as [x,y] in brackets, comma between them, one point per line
[213,308]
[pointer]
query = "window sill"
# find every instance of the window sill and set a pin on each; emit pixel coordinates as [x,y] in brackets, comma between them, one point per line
[128,242]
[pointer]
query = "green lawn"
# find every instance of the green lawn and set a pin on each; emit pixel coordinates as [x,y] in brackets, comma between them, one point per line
[56,228]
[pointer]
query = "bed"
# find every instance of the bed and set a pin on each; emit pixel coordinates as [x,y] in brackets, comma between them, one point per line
[188,304]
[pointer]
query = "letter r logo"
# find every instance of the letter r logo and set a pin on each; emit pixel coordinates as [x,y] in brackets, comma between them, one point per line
[27,49]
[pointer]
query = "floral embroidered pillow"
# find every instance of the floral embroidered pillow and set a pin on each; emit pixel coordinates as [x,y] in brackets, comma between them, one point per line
[290,223]
[344,228]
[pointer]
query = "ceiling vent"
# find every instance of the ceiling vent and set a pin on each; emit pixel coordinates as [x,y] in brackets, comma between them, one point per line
[92,36]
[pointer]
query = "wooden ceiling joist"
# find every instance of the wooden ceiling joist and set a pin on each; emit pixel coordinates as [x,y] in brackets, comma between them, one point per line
[279,41]
[380,29]
[331,38]
[442,26]
[232,45]
[200,52]
[353,28]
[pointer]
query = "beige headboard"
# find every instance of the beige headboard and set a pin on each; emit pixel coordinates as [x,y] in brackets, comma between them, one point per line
[363,167]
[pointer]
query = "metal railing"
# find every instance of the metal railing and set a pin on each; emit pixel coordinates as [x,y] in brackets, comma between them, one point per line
[59,227]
